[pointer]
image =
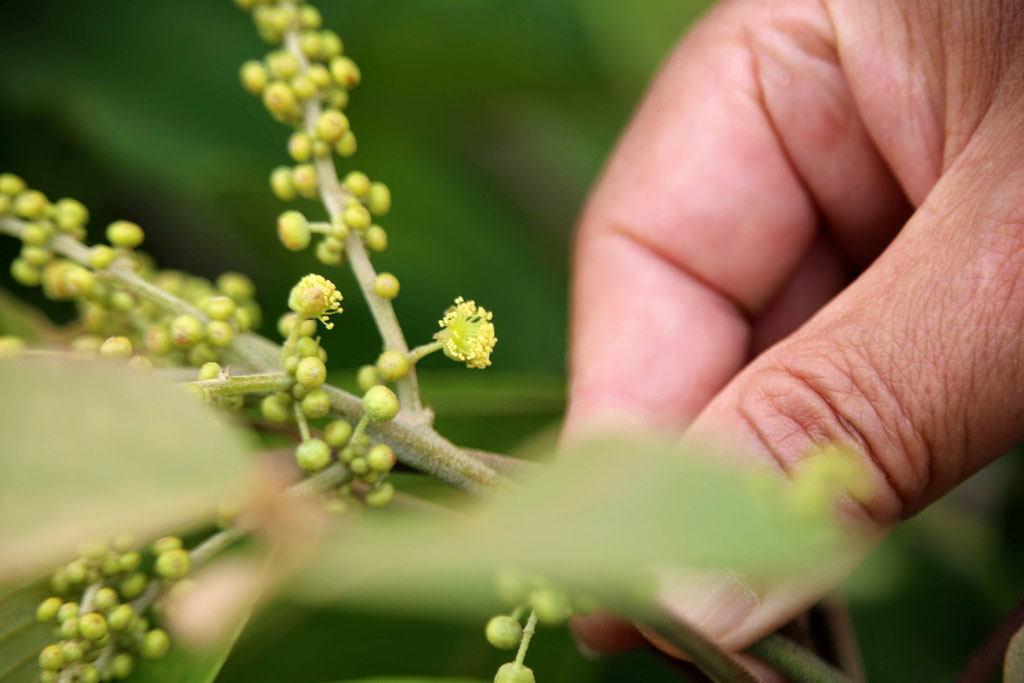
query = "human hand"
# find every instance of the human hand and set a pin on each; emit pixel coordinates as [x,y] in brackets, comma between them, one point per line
[784,148]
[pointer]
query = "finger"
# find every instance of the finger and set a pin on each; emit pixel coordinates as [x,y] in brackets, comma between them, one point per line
[916,367]
[701,217]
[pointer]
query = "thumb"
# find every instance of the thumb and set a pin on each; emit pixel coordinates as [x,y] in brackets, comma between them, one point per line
[916,368]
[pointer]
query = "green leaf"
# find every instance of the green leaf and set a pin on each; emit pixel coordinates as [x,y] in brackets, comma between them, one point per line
[593,518]
[91,449]
[1013,666]
[21,637]
[22,320]
[189,665]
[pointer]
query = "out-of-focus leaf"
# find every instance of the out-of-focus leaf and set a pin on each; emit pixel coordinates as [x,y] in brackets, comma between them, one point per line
[412,679]
[90,449]
[188,665]
[593,518]
[21,637]
[22,320]
[458,393]
[1013,665]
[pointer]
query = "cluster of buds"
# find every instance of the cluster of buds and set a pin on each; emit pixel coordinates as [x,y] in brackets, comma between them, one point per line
[99,612]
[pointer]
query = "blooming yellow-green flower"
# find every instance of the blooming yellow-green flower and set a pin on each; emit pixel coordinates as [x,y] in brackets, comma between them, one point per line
[315,297]
[467,334]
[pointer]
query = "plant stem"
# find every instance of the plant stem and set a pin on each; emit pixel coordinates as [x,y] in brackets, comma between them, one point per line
[266,383]
[717,664]
[300,420]
[334,198]
[424,350]
[795,662]
[524,644]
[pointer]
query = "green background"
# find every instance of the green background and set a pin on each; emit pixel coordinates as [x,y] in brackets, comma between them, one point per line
[488,119]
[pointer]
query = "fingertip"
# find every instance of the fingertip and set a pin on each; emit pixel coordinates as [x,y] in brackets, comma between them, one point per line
[603,633]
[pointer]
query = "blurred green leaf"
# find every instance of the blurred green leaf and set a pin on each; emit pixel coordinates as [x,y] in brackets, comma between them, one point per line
[21,636]
[22,320]
[92,449]
[592,518]
[189,665]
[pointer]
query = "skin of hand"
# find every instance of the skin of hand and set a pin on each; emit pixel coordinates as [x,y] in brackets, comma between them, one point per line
[813,232]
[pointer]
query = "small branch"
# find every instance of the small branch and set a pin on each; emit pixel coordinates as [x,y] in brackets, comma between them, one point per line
[417,354]
[524,643]
[266,383]
[717,664]
[216,543]
[795,662]
[989,655]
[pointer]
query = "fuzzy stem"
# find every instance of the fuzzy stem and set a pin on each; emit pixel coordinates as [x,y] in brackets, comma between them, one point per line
[266,383]
[419,352]
[300,420]
[524,644]
[360,428]
[796,663]
[334,198]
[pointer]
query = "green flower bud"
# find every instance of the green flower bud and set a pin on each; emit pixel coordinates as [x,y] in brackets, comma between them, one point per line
[121,617]
[100,256]
[380,403]
[376,238]
[386,286]
[380,495]
[379,201]
[310,372]
[393,365]
[381,458]
[36,234]
[282,184]
[106,598]
[11,184]
[305,180]
[88,674]
[162,545]
[337,433]
[333,47]
[122,301]
[209,371]
[220,308]
[186,331]
[358,183]
[69,610]
[282,64]
[290,363]
[367,377]
[254,77]
[347,145]
[70,214]
[173,564]
[236,285]
[36,256]
[504,632]
[132,585]
[552,606]
[309,17]
[51,658]
[279,99]
[313,455]
[312,44]
[125,234]
[316,404]
[121,665]
[332,125]
[327,254]
[92,626]
[130,561]
[47,610]
[514,673]
[155,644]
[116,347]
[31,204]
[358,464]
[11,346]
[76,571]
[300,147]
[69,628]
[158,340]
[345,72]
[357,216]
[24,273]
[293,230]
[219,333]
[320,75]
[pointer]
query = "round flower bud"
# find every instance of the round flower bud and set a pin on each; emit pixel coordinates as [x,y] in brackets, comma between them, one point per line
[380,495]
[282,185]
[380,403]
[293,230]
[379,201]
[309,17]
[92,626]
[313,455]
[551,606]
[220,307]
[254,77]
[376,238]
[35,234]
[173,564]
[282,64]
[69,628]
[367,377]
[303,87]
[386,286]
[337,433]
[131,560]
[121,665]
[36,256]
[100,256]
[30,204]
[209,371]
[327,255]
[381,458]
[71,214]
[504,632]
[300,147]
[358,183]
[358,465]
[24,273]
[11,184]
[357,217]
[47,610]
[69,610]
[121,617]
[219,333]
[514,673]
[116,347]
[312,44]
[333,46]
[331,125]
[279,99]
[393,365]
[238,286]
[304,178]
[106,598]
[51,658]
[186,331]
[311,372]
[125,234]
[345,72]
[71,650]
[162,545]
[316,404]
[347,145]
[275,411]
[132,585]
[155,644]
[319,75]
[158,340]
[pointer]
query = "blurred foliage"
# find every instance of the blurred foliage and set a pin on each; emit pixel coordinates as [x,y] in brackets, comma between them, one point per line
[489,119]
